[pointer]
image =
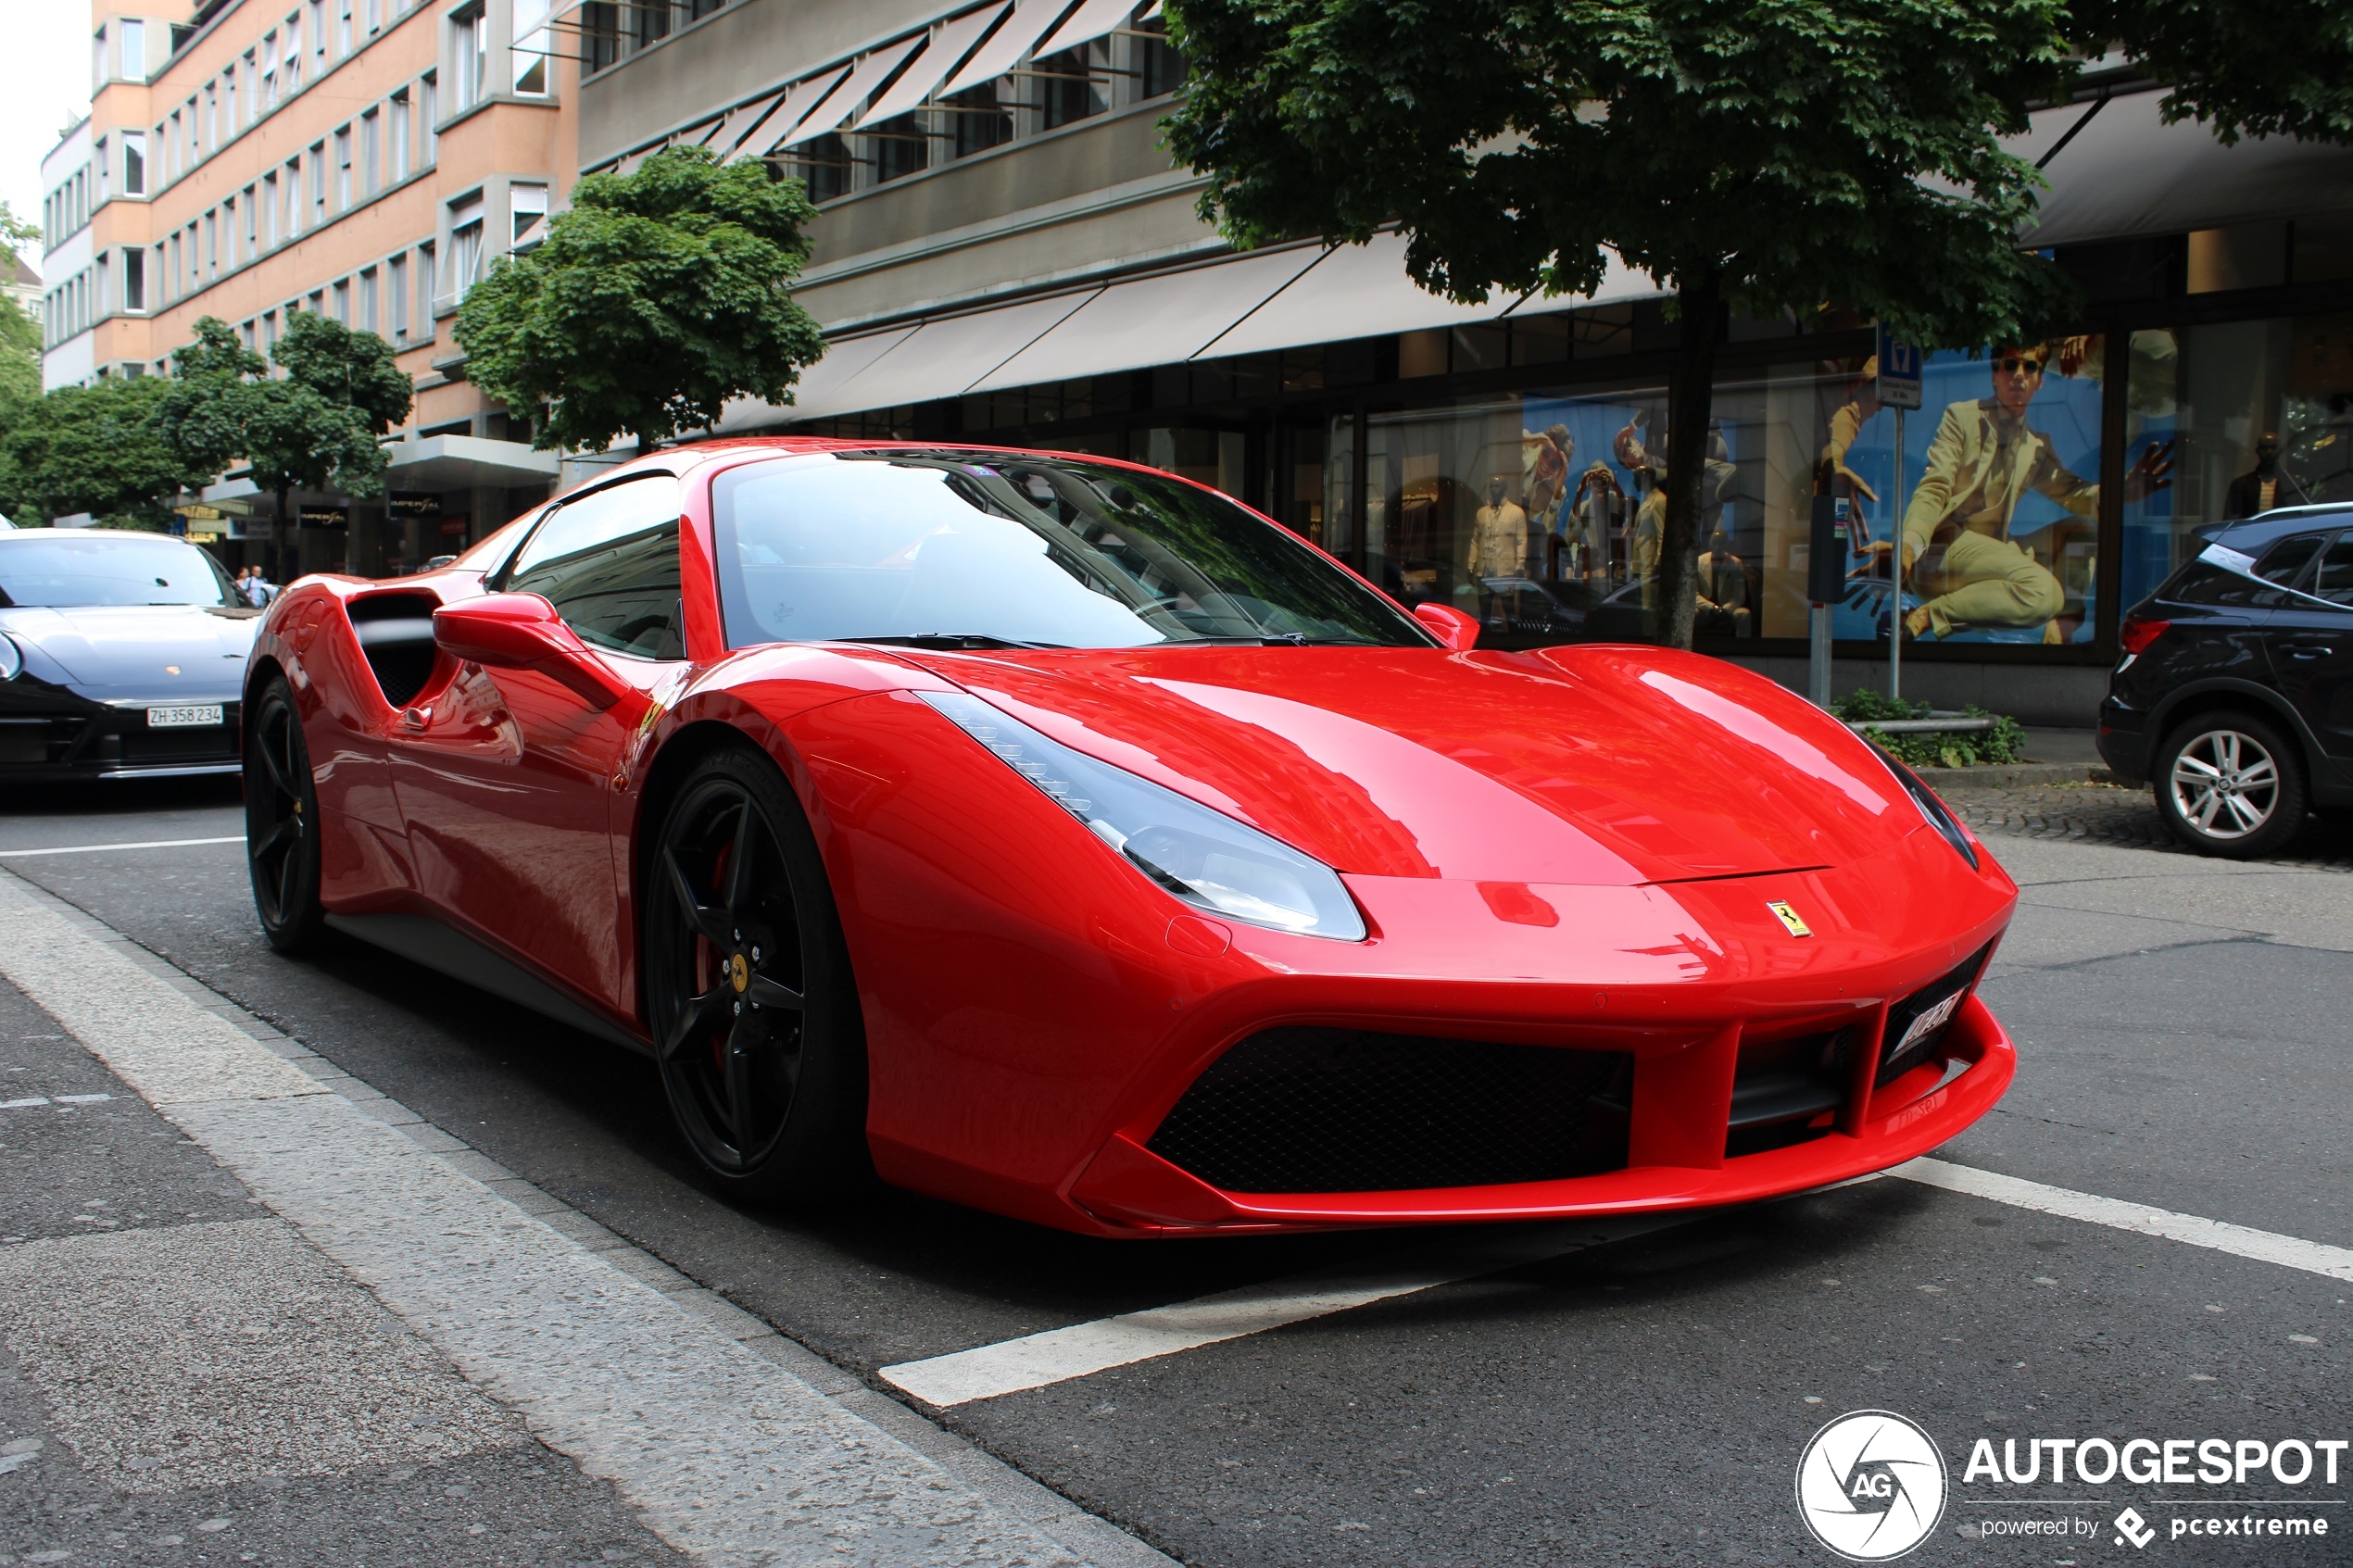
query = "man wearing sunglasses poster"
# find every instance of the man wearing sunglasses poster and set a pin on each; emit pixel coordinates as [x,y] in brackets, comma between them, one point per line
[1958,556]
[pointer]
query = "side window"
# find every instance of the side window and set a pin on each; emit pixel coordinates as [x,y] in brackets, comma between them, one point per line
[2334,581]
[2285,561]
[608,563]
[2199,584]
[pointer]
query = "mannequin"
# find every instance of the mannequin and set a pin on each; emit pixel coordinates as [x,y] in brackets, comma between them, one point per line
[1723,589]
[2264,488]
[1545,460]
[1499,536]
[1595,508]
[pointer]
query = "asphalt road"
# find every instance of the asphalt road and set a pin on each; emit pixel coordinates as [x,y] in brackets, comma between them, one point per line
[2184,1033]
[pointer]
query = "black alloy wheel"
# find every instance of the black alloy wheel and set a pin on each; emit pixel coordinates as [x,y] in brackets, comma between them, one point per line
[2231,785]
[281,822]
[749,992]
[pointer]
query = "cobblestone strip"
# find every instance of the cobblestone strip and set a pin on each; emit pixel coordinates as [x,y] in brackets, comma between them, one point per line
[2108,814]
[739,1446]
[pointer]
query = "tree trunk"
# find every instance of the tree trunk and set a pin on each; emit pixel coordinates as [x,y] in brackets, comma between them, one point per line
[278,537]
[1690,396]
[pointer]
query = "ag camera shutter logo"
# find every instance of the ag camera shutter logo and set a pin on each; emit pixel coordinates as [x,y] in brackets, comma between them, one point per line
[1872,1486]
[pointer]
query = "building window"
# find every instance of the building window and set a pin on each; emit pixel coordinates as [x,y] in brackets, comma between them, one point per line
[368,300]
[134,48]
[171,148]
[248,331]
[292,70]
[426,263]
[1071,84]
[317,184]
[343,302]
[823,164]
[529,203]
[981,118]
[470,36]
[134,279]
[269,73]
[292,215]
[269,210]
[229,229]
[253,228]
[400,136]
[269,330]
[465,247]
[134,163]
[375,16]
[174,278]
[343,27]
[599,35]
[229,95]
[533,46]
[901,147]
[397,288]
[319,33]
[371,153]
[211,117]
[343,170]
[429,110]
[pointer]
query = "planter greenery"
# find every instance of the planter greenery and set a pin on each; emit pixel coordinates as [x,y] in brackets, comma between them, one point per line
[2005,741]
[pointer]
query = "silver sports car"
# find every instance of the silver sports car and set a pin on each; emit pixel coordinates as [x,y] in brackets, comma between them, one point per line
[122,654]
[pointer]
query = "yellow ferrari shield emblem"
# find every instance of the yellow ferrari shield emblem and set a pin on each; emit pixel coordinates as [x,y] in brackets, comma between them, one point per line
[1797,926]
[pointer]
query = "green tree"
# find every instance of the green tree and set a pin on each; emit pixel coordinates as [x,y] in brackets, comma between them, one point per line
[314,429]
[91,450]
[1764,156]
[19,334]
[655,298]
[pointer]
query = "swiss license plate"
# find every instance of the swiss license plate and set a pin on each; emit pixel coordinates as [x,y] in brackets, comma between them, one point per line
[183,717]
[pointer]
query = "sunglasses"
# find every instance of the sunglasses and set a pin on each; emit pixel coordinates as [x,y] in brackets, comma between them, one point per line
[2015,365]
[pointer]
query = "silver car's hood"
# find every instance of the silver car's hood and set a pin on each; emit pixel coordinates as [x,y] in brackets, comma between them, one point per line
[135,653]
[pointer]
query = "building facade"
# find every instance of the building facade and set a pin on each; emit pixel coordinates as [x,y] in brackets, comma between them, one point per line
[365,158]
[1006,254]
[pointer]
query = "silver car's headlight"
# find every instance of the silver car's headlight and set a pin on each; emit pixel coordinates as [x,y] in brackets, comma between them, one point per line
[11,657]
[1203,857]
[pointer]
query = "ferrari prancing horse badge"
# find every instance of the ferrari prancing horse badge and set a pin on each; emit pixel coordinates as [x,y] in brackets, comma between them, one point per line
[1797,927]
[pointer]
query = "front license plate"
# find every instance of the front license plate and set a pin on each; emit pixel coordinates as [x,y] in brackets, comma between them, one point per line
[184,718]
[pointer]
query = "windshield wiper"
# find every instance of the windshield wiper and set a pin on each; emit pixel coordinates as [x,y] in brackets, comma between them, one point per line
[951,640]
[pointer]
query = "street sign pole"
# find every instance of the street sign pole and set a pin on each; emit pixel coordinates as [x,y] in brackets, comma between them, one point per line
[1899,388]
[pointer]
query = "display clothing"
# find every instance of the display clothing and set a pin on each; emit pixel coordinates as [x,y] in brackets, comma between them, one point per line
[2251,493]
[1723,595]
[1499,541]
[1981,464]
[1649,530]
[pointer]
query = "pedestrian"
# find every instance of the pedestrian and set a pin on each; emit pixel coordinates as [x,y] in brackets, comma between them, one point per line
[260,590]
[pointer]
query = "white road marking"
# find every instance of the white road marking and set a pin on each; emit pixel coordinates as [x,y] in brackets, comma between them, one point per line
[1080,1350]
[20,1104]
[81,1099]
[1058,1355]
[2263,1247]
[102,848]
[730,1457]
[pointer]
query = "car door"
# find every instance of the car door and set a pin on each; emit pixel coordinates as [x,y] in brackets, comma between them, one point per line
[504,779]
[2311,638]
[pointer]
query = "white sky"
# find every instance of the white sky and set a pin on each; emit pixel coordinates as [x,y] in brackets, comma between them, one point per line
[45,86]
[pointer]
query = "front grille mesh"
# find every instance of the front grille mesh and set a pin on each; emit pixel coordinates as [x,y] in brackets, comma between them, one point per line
[1351,1111]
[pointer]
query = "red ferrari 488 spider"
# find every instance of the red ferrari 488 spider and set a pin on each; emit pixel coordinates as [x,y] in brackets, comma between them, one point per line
[1060,837]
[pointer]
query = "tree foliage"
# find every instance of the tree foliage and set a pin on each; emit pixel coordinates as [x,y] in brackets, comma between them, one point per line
[19,334]
[91,449]
[1769,156]
[656,298]
[314,429]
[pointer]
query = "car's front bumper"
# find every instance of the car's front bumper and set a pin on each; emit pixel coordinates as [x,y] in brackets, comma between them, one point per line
[49,733]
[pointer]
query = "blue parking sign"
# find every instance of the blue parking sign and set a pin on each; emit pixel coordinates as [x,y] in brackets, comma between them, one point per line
[1899,372]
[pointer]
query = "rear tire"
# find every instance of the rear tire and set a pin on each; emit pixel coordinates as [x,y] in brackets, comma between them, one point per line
[281,822]
[749,992]
[2231,785]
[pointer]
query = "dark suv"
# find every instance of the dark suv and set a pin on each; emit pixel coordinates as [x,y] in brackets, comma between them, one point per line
[2235,693]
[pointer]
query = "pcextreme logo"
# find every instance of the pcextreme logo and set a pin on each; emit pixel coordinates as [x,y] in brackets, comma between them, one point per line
[1872,1486]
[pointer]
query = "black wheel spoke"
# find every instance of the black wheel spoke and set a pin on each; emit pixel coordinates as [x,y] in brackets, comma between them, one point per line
[279,771]
[739,878]
[741,1044]
[708,922]
[766,993]
[700,1015]
[280,837]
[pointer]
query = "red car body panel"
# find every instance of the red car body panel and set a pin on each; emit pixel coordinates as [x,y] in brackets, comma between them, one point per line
[1576,847]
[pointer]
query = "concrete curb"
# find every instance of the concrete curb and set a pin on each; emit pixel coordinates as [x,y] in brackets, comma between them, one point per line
[2016,775]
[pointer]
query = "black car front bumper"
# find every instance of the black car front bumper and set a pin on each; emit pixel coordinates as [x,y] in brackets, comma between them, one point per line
[50,733]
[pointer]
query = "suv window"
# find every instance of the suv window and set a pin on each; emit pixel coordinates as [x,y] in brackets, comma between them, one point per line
[2200,584]
[608,563]
[2333,580]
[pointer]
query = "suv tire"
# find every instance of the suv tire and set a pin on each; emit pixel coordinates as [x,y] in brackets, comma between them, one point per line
[2231,785]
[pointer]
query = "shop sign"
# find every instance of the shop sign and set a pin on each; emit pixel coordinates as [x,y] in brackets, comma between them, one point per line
[198,512]
[453,525]
[401,504]
[325,517]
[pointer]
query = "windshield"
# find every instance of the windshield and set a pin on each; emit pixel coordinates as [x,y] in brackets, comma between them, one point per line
[990,548]
[133,568]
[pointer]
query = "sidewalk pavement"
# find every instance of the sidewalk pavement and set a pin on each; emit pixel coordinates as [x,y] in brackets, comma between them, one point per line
[260,1308]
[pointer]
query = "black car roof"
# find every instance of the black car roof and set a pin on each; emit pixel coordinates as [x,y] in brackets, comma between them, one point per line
[2253,535]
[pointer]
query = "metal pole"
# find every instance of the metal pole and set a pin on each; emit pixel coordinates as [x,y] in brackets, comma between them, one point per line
[1818,670]
[1895,572]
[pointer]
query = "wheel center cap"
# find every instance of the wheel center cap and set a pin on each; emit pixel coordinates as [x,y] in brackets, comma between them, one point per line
[738,974]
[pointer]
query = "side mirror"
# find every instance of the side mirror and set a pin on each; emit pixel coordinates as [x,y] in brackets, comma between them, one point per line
[524,632]
[1448,625]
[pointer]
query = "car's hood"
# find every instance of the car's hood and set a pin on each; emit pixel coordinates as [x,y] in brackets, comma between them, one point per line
[135,652]
[1593,765]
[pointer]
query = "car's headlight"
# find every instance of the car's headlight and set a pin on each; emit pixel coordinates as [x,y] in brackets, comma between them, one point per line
[1939,816]
[1203,857]
[11,657]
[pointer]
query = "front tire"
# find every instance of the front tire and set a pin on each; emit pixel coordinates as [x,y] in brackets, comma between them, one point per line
[281,822]
[2232,786]
[749,991]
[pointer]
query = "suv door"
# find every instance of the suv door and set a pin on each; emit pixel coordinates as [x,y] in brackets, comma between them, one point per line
[505,779]
[2310,640]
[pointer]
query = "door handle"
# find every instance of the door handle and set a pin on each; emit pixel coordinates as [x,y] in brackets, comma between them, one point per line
[2311,650]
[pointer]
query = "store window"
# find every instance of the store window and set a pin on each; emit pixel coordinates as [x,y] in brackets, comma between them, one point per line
[2226,419]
